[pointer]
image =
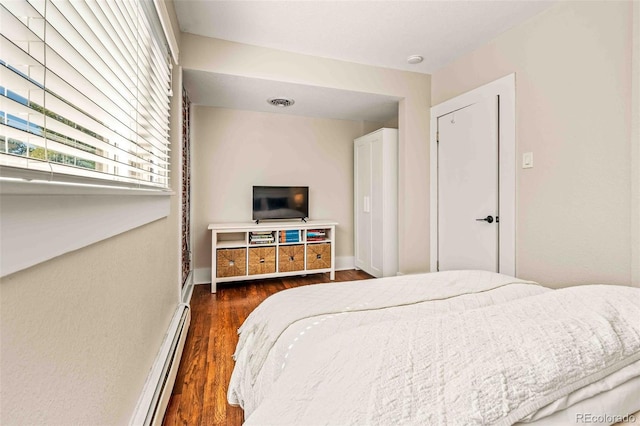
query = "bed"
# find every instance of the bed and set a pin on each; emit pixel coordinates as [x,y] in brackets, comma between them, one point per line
[457,347]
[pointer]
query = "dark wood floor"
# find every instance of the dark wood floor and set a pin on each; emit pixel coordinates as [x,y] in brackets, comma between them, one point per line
[199,395]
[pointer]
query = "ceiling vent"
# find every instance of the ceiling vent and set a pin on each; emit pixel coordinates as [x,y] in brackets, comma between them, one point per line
[281,102]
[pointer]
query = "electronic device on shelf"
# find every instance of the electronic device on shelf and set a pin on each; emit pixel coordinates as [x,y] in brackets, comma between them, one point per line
[280,202]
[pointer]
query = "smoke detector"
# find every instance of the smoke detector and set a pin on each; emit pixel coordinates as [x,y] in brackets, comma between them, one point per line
[281,102]
[415,59]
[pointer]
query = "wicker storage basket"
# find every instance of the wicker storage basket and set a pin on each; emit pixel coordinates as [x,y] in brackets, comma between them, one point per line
[231,262]
[291,258]
[262,260]
[318,256]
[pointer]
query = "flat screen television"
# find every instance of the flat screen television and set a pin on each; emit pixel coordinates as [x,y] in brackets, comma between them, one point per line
[280,202]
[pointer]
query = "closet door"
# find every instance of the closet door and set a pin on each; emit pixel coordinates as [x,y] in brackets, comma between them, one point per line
[362,203]
[377,205]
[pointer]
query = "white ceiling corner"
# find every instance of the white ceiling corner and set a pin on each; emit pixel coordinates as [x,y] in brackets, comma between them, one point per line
[377,33]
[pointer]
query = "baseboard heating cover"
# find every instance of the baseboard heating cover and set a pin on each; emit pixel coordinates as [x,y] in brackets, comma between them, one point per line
[157,389]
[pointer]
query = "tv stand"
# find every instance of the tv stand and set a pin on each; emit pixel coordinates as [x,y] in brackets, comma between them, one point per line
[248,251]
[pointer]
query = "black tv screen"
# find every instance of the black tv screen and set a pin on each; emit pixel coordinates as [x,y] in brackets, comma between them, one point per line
[280,202]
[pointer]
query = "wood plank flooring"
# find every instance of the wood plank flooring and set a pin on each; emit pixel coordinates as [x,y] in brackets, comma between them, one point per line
[199,395]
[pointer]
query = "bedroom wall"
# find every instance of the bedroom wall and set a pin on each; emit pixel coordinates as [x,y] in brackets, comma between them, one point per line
[234,150]
[224,57]
[80,332]
[635,148]
[173,17]
[573,102]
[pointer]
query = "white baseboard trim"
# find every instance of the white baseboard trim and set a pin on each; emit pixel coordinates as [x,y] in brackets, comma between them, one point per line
[344,263]
[187,290]
[157,389]
[203,275]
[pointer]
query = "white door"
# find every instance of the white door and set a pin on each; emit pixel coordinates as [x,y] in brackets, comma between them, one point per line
[377,208]
[468,223]
[362,204]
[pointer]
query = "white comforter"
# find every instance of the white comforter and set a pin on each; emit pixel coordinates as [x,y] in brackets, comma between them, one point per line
[450,351]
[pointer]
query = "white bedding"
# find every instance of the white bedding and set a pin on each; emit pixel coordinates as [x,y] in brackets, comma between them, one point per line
[615,395]
[438,357]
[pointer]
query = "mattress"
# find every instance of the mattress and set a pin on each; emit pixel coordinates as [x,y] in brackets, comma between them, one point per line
[258,385]
[605,402]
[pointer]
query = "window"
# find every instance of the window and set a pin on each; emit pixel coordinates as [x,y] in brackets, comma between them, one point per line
[84,92]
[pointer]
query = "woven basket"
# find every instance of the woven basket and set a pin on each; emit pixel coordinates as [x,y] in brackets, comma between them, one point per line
[262,260]
[318,256]
[291,258]
[231,262]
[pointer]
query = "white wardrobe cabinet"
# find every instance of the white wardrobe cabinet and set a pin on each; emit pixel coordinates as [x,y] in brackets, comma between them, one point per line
[376,202]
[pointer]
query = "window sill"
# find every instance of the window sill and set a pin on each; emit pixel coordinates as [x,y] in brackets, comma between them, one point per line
[26,187]
[42,220]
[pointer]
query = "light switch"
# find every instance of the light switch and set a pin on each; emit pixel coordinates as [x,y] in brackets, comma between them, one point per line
[527,160]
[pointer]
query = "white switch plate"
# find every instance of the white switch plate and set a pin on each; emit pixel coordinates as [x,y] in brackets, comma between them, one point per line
[527,160]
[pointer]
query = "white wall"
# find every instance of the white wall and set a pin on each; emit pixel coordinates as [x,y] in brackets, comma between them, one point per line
[635,148]
[234,150]
[80,332]
[573,103]
[224,57]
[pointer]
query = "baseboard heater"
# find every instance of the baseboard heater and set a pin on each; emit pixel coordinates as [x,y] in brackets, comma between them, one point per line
[157,389]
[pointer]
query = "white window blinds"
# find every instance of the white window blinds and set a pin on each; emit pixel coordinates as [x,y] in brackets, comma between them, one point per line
[84,92]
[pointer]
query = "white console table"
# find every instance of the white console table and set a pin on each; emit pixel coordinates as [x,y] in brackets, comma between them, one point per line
[247,251]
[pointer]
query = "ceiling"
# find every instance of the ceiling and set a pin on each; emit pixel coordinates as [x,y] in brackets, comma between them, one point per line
[230,91]
[378,33]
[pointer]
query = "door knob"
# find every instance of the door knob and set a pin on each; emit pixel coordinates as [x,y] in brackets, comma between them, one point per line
[488,219]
